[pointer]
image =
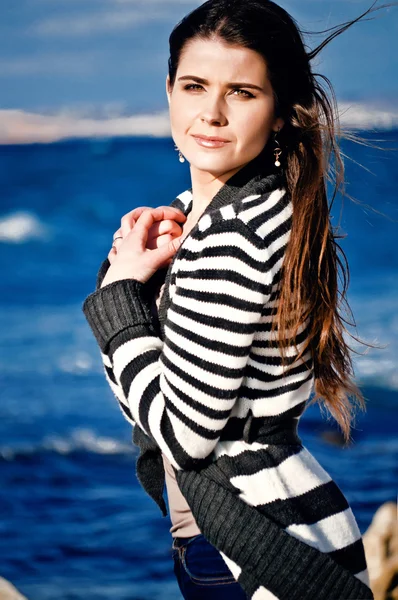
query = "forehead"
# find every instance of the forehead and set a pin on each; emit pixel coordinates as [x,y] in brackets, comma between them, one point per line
[215,59]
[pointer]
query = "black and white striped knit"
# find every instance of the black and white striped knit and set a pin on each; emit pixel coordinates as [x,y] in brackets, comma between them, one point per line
[205,386]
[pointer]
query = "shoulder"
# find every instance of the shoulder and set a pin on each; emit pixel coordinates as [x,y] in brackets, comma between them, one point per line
[258,218]
[266,213]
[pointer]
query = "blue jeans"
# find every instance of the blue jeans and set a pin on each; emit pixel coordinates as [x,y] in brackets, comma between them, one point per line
[202,572]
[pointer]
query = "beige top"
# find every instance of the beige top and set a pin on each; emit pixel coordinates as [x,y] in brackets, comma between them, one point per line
[182,519]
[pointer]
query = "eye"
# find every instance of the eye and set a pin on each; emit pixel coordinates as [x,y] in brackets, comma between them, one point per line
[191,86]
[247,94]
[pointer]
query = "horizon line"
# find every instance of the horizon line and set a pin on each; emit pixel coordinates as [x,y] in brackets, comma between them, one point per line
[19,126]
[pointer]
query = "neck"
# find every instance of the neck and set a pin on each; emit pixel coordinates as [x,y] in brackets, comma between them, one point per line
[205,186]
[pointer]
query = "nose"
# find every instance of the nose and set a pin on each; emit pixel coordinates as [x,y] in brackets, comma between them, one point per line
[212,112]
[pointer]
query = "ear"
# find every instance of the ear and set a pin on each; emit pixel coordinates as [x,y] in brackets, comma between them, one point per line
[168,88]
[279,123]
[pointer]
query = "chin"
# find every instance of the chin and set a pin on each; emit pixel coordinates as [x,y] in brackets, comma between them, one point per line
[213,164]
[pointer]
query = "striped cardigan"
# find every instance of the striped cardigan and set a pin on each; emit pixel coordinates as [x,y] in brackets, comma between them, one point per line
[205,385]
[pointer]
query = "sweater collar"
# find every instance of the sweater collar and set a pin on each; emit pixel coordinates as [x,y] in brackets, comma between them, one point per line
[255,177]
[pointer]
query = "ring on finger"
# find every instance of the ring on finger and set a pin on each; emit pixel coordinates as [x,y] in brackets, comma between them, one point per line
[119,237]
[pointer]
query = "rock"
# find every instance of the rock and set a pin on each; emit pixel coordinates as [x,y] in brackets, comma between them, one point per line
[381,549]
[8,591]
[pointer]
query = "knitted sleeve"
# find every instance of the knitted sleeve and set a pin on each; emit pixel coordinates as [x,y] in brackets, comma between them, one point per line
[106,363]
[181,392]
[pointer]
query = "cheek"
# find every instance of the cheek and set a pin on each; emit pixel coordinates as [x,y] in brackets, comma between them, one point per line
[254,127]
[180,121]
[174,116]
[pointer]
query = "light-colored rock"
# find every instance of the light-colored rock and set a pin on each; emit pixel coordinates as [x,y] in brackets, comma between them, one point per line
[9,592]
[381,549]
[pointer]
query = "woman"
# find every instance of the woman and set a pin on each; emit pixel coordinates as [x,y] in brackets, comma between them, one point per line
[248,318]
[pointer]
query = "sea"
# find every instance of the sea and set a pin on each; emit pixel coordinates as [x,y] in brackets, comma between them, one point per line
[74,522]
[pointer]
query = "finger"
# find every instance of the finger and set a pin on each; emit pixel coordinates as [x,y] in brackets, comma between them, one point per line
[126,226]
[170,226]
[154,241]
[117,239]
[159,255]
[149,219]
[117,233]
[178,213]
[112,254]
[141,229]
[134,214]
[164,254]
[117,236]
[165,213]
[117,243]
[128,220]
[159,240]
[167,226]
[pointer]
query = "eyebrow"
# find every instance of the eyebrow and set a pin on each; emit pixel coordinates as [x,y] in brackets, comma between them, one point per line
[230,85]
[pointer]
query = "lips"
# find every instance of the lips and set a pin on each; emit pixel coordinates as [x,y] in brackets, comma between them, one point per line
[210,142]
[210,138]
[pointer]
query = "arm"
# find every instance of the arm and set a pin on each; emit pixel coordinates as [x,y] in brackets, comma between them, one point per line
[107,365]
[181,393]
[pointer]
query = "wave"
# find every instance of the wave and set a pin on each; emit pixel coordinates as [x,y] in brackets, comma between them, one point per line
[377,324]
[380,373]
[20,227]
[79,440]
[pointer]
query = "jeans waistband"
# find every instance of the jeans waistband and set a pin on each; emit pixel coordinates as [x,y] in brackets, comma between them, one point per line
[178,542]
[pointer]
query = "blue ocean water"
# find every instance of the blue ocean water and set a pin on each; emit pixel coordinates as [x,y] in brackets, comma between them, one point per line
[74,522]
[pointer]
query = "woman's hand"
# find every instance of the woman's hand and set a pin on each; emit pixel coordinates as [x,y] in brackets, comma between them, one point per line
[161,232]
[132,258]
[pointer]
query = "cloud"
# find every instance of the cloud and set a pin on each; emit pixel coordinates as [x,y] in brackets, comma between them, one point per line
[43,64]
[139,3]
[162,2]
[358,115]
[18,126]
[101,22]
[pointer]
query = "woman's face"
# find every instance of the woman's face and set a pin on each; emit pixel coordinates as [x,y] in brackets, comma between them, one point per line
[224,91]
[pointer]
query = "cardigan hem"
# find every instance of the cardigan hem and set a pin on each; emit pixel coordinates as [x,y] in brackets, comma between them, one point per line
[262,549]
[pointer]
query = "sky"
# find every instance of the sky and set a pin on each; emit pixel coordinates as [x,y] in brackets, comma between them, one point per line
[100,65]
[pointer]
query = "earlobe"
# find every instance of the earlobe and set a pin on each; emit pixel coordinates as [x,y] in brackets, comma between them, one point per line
[168,88]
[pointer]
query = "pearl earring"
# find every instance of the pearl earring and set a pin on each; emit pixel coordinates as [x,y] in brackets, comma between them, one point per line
[277,150]
[180,156]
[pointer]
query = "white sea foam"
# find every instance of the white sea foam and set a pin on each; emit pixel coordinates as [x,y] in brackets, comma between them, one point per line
[21,226]
[76,362]
[63,341]
[377,324]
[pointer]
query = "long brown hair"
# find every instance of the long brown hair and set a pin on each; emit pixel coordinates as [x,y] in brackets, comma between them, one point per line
[314,264]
